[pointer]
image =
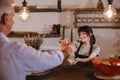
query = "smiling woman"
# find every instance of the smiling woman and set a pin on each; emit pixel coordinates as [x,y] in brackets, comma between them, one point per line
[87,49]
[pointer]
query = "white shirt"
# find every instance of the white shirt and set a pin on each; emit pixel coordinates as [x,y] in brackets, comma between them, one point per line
[18,60]
[85,51]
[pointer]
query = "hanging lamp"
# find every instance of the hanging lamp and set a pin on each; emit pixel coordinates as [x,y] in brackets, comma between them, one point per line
[110,12]
[24,13]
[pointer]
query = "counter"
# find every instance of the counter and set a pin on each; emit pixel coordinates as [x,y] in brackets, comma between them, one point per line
[81,71]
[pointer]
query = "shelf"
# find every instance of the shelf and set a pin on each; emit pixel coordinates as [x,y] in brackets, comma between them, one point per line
[94,18]
[97,27]
[35,9]
[22,33]
[91,9]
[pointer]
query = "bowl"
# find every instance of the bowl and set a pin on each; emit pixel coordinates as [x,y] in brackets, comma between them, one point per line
[107,66]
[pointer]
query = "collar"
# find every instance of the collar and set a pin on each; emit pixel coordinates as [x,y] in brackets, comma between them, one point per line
[3,37]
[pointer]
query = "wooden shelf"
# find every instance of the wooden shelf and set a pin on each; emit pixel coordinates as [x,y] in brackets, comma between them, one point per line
[22,33]
[35,9]
[97,27]
[94,18]
[91,9]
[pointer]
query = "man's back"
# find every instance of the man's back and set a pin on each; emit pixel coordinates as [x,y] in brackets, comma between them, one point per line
[17,60]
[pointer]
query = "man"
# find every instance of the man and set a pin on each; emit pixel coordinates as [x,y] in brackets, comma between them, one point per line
[18,60]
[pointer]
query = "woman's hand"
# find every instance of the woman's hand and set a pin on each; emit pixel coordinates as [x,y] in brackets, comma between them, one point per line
[67,48]
[64,42]
[76,61]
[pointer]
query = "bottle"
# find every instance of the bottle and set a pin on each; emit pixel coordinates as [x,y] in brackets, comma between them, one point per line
[100,4]
[59,5]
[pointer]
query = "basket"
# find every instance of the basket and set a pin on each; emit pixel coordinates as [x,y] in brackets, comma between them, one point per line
[34,40]
[111,69]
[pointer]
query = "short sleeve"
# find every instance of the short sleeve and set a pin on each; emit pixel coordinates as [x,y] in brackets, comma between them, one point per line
[96,49]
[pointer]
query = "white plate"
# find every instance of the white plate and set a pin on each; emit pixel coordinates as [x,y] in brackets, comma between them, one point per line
[41,73]
[101,76]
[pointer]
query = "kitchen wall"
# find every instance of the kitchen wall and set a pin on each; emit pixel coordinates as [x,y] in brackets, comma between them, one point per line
[108,39]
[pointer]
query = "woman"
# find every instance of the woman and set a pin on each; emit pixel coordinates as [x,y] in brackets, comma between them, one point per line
[87,50]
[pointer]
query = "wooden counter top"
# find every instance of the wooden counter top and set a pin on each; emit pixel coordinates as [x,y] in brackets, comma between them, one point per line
[77,72]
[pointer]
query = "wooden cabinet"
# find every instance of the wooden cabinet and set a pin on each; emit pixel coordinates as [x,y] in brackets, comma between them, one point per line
[94,18]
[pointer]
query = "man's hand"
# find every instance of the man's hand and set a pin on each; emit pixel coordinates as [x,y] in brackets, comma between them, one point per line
[69,49]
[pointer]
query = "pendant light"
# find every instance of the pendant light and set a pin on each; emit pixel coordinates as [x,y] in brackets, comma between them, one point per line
[110,12]
[24,13]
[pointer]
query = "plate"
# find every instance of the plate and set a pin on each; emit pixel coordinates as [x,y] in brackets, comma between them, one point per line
[41,73]
[99,75]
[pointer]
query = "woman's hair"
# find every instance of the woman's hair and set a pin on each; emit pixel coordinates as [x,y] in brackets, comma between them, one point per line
[89,32]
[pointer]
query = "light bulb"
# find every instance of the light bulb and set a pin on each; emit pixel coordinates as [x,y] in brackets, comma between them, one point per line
[110,13]
[24,14]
